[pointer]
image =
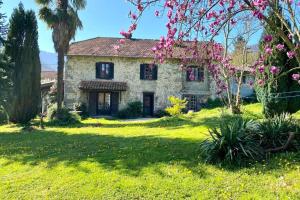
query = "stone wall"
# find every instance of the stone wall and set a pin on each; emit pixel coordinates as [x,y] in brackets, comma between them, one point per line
[169,81]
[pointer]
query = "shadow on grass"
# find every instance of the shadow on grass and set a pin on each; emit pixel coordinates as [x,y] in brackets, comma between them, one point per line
[124,154]
[168,123]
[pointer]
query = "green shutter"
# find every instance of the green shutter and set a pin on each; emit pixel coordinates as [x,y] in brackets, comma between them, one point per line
[111,70]
[98,70]
[142,71]
[155,69]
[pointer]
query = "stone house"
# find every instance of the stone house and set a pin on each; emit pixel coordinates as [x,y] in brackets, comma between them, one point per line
[106,79]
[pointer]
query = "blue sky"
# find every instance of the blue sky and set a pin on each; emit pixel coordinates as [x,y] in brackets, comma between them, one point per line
[104,18]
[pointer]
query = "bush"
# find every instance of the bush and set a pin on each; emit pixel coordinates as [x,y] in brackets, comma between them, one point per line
[161,113]
[82,110]
[274,132]
[3,116]
[66,118]
[213,103]
[133,110]
[177,106]
[233,142]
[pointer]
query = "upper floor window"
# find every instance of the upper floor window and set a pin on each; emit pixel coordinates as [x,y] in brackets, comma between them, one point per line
[148,72]
[195,73]
[104,70]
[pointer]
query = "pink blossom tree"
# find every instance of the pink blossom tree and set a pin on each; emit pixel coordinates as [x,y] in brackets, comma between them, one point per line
[197,20]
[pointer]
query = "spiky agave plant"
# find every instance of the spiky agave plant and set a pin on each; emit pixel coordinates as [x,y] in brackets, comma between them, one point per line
[233,142]
[274,132]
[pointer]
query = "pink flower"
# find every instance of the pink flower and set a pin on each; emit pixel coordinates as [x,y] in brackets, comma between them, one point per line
[260,82]
[296,77]
[156,13]
[251,83]
[274,70]
[133,16]
[117,47]
[268,50]
[261,69]
[268,38]
[290,54]
[122,41]
[280,47]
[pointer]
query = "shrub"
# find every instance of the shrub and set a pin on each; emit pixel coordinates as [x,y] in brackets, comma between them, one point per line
[213,103]
[233,142]
[161,113]
[82,110]
[133,110]
[274,132]
[66,118]
[177,106]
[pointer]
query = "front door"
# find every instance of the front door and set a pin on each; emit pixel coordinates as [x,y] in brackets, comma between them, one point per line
[93,103]
[114,102]
[148,104]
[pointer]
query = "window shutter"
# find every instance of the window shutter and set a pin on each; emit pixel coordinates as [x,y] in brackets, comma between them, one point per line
[187,75]
[201,74]
[154,72]
[111,70]
[142,71]
[97,70]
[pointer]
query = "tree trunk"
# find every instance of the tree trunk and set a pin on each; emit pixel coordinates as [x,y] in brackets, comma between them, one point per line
[60,81]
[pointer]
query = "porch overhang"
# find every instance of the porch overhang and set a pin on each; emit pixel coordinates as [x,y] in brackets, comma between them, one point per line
[99,85]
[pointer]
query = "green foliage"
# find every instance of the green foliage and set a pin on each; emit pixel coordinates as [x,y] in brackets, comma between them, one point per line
[274,132]
[66,117]
[213,103]
[232,142]
[133,110]
[82,109]
[22,47]
[161,113]
[3,26]
[271,93]
[177,106]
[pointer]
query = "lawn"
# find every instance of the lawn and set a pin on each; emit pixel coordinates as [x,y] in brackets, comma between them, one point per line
[158,159]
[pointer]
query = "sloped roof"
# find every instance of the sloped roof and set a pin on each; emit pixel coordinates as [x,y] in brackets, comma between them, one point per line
[99,85]
[132,48]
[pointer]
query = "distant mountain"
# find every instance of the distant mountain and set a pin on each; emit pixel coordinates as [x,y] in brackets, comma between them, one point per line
[48,61]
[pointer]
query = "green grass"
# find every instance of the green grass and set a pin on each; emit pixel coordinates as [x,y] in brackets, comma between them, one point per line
[158,159]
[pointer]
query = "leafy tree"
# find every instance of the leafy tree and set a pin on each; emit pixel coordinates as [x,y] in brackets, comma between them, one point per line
[22,47]
[62,17]
[4,63]
[3,26]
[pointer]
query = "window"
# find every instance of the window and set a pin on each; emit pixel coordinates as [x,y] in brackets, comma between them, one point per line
[104,70]
[148,72]
[191,102]
[194,102]
[195,73]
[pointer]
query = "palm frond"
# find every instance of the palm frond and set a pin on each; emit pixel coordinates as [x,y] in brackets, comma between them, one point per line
[78,4]
[44,2]
[48,15]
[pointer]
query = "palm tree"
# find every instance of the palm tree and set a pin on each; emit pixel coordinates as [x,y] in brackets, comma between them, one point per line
[62,17]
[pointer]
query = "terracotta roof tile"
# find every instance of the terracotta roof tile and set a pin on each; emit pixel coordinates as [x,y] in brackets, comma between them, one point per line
[100,85]
[104,47]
